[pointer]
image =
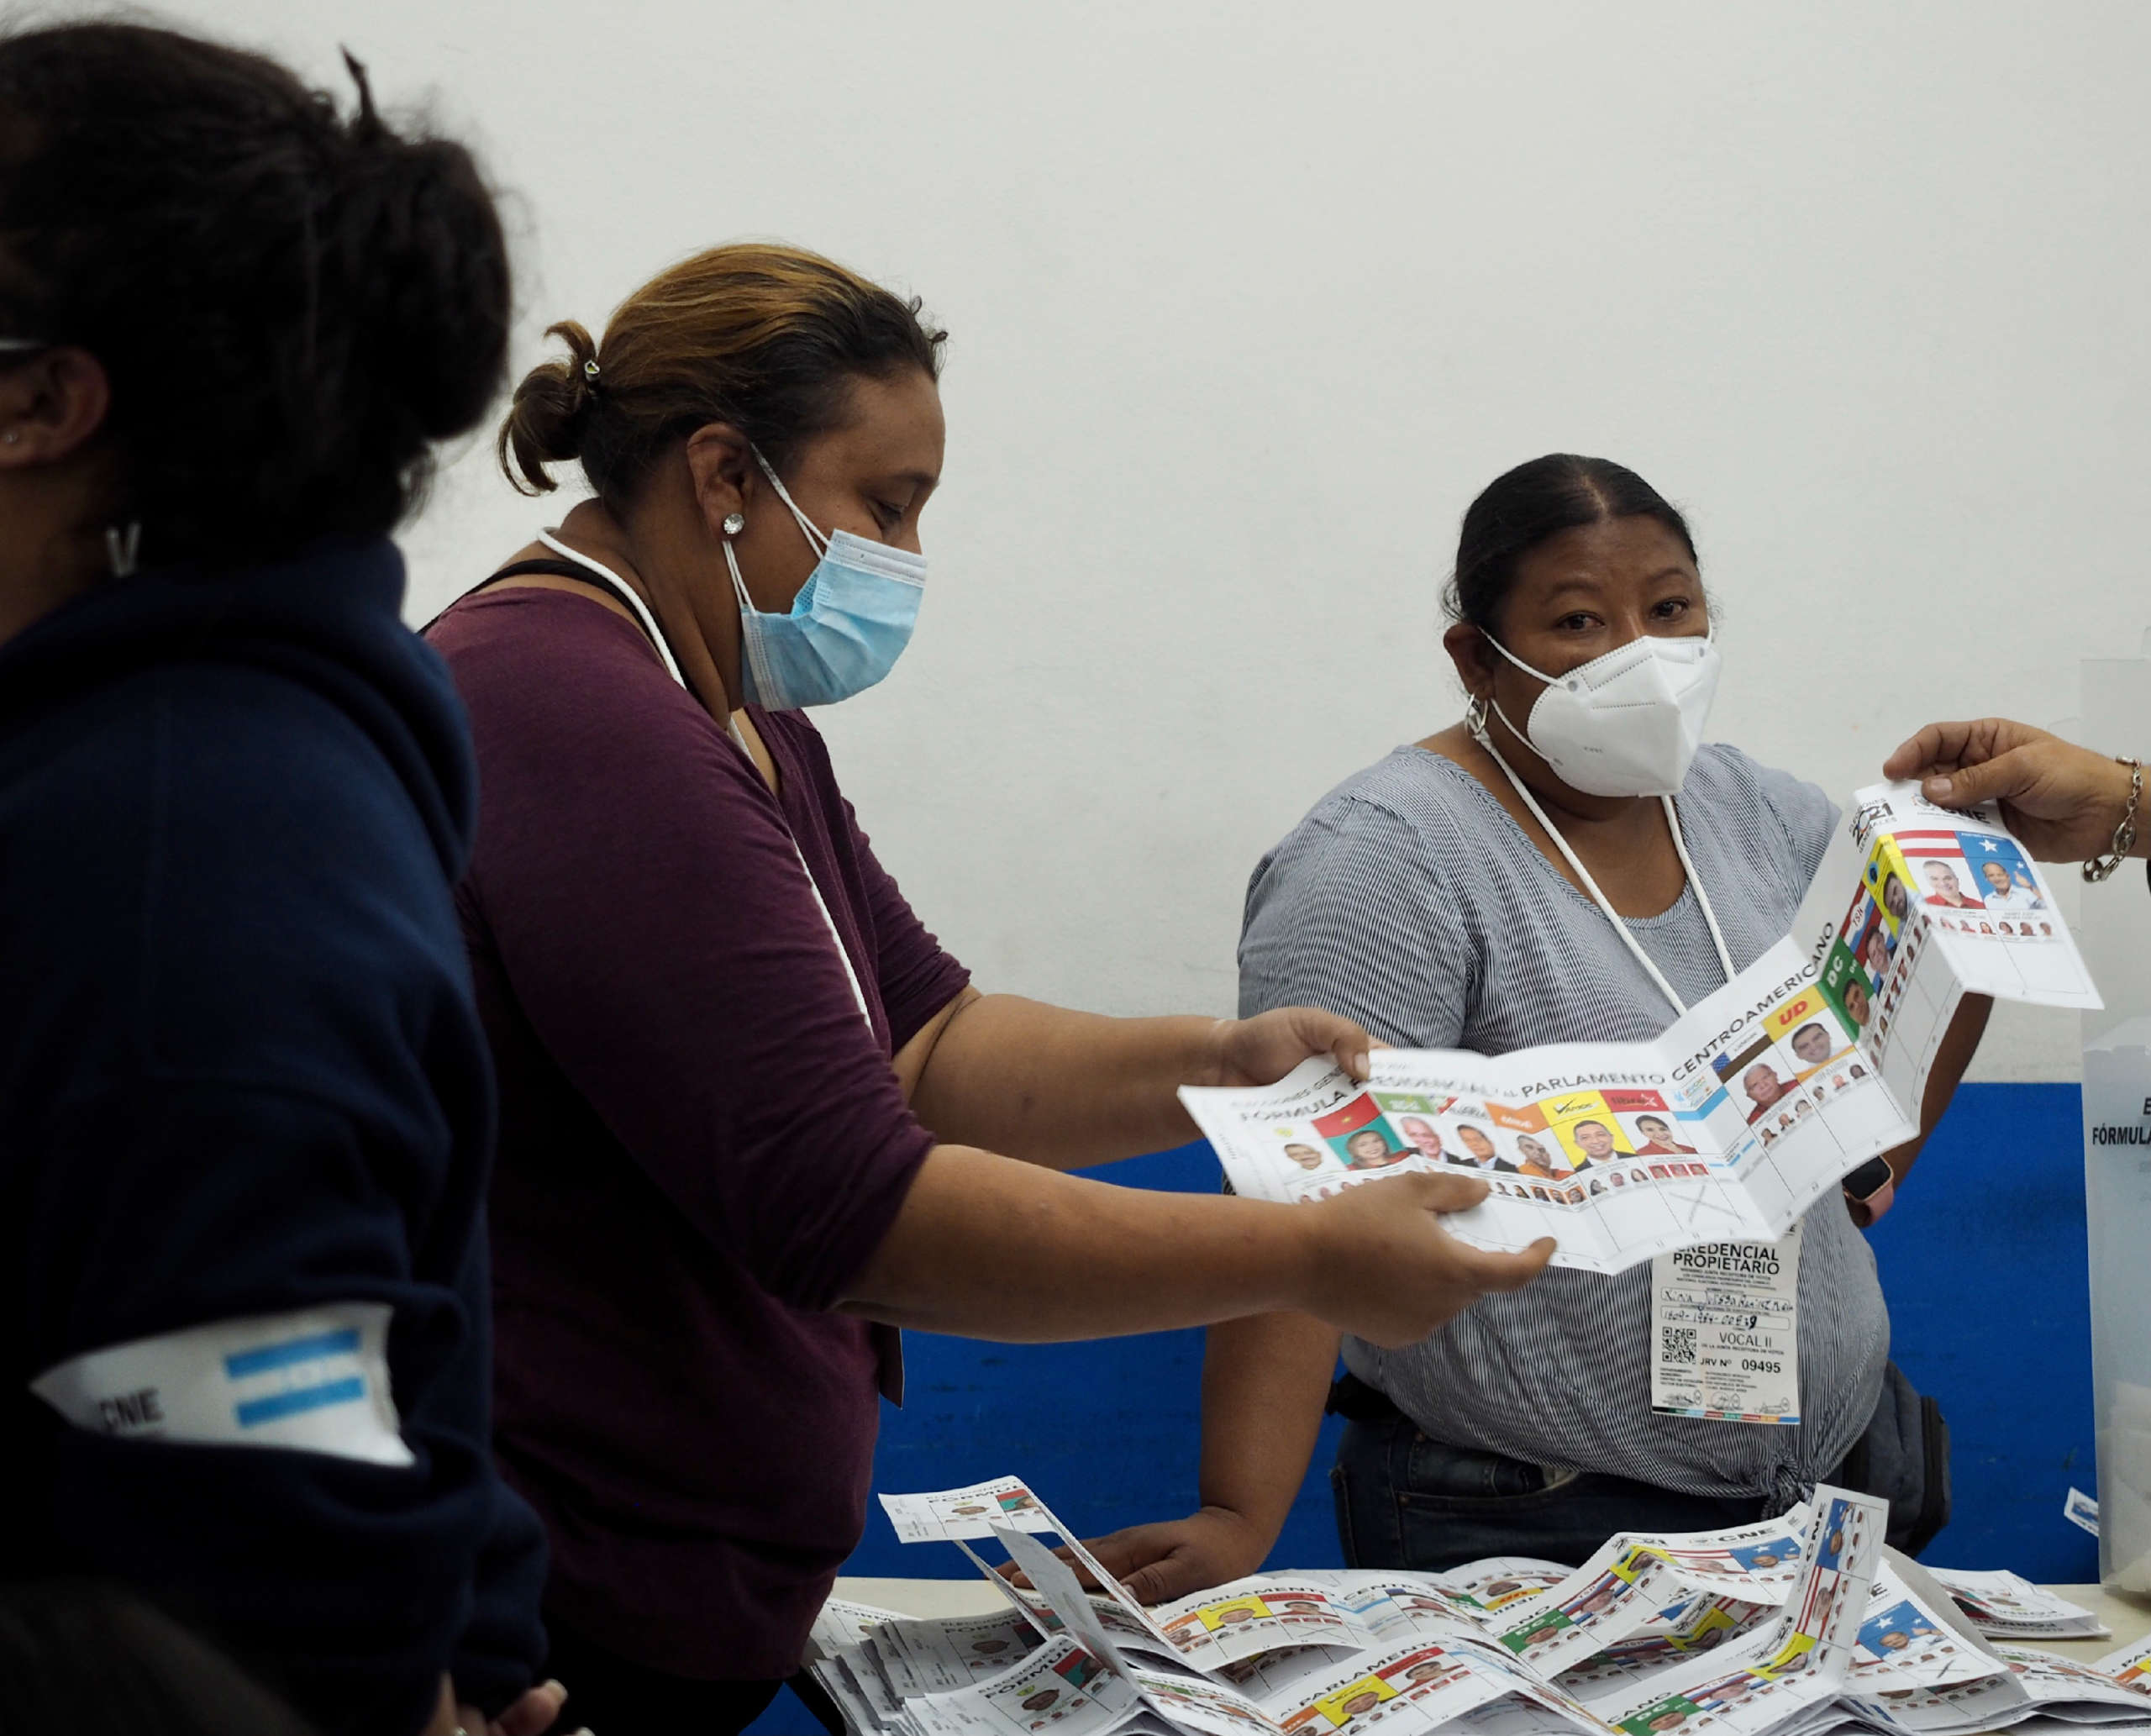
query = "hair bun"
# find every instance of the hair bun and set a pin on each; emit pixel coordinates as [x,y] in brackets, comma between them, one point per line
[338,291]
[412,234]
[768,339]
[551,408]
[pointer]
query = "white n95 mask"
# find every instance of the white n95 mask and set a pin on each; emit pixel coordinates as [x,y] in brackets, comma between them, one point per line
[1627,724]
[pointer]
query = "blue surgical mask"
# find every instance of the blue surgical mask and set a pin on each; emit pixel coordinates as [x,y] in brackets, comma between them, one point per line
[845,629]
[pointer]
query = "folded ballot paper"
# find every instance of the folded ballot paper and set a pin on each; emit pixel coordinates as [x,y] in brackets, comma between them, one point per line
[1747,1109]
[2003,1607]
[1793,1627]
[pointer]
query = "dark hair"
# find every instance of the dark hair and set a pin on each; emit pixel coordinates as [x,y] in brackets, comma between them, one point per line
[290,306]
[1521,508]
[769,339]
[83,1659]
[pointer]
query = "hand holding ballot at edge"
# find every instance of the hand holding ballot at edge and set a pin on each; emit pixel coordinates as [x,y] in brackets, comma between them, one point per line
[1431,1276]
[2063,801]
[1263,1049]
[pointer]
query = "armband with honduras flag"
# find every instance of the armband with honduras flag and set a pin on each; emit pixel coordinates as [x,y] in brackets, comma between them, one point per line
[314,1379]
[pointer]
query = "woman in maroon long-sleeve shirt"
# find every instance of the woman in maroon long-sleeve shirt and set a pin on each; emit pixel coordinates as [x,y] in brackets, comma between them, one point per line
[722,1036]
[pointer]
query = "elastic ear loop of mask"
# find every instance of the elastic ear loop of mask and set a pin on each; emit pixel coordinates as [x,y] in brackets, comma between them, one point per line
[815,542]
[1477,724]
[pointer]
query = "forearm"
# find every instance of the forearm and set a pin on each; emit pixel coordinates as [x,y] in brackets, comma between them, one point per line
[1958,1045]
[1062,1088]
[989,1249]
[1265,1380]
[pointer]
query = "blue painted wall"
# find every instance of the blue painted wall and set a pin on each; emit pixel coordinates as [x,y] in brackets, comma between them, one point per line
[1983,1261]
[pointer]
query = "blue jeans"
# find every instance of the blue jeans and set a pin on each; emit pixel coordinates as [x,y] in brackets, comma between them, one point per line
[1404,1500]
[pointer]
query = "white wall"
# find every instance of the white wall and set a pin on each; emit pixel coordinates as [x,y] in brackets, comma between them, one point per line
[1247,302]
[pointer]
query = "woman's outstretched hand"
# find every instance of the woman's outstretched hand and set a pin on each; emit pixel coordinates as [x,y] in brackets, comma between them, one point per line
[1387,1271]
[1159,1562]
[2061,800]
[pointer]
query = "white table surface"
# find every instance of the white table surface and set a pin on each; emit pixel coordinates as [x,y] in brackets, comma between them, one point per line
[2128,1616]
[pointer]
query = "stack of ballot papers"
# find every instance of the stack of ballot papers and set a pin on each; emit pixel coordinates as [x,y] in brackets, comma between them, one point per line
[1793,1627]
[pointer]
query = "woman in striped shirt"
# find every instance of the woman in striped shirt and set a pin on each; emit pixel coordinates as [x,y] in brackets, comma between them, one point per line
[1467,892]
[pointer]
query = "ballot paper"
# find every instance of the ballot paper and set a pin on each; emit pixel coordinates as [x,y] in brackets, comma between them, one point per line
[1743,1112]
[1793,1665]
[950,1515]
[920,1657]
[2130,1666]
[2030,1685]
[1636,1581]
[1060,1686]
[1987,903]
[1495,1583]
[839,1641]
[1800,1626]
[1905,1644]
[1270,1612]
[2007,1607]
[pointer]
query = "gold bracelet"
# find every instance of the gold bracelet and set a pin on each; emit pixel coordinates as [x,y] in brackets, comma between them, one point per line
[2125,832]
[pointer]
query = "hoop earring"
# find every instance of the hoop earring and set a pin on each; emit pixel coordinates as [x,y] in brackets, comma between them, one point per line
[1474,716]
[123,548]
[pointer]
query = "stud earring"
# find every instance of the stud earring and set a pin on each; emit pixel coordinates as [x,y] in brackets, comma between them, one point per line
[735,522]
[13,436]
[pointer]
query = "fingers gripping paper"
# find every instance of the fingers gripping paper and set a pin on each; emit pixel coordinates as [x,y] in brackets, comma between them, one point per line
[1743,1114]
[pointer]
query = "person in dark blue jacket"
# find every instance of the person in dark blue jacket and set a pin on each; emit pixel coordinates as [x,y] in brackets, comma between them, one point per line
[244,1100]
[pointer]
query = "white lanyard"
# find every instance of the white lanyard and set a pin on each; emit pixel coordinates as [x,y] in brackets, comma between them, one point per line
[1583,874]
[1698,1292]
[626,592]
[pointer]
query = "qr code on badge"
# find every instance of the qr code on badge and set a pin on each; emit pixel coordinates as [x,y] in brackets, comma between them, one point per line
[1676,1343]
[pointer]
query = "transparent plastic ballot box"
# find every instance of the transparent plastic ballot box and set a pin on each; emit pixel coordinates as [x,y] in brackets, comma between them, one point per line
[2114,929]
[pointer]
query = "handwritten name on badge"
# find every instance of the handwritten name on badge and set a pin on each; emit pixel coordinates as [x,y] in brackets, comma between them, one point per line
[1725,1331]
